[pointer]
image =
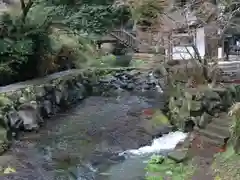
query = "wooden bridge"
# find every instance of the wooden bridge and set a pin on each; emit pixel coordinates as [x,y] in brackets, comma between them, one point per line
[126,38]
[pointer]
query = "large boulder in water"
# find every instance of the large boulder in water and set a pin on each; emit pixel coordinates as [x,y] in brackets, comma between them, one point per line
[157,125]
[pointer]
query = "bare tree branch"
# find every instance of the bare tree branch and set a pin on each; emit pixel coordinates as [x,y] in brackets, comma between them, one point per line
[25,9]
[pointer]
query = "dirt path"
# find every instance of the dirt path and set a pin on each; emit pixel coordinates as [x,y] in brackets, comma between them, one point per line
[203,156]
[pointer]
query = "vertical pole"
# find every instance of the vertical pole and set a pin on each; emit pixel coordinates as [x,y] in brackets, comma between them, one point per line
[170,48]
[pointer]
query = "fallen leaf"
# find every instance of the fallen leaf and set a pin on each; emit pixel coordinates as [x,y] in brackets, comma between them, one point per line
[148,112]
[217,178]
[9,170]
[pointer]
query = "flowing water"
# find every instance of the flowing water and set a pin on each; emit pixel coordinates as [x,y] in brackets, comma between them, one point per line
[98,140]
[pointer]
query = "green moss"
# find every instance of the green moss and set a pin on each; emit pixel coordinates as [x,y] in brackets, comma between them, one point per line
[160,119]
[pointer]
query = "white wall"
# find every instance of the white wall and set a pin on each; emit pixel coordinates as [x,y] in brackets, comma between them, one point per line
[220,53]
[200,41]
[180,52]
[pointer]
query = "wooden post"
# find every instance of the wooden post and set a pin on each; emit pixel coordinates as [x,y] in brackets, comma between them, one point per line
[170,47]
[223,47]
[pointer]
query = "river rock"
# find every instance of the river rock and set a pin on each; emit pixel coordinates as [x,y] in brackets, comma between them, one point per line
[40,91]
[212,95]
[58,96]
[47,107]
[204,120]
[65,157]
[130,86]
[48,88]
[99,158]
[189,124]
[80,91]
[214,107]
[108,79]
[178,155]
[13,119]
[157,125]
[29,113]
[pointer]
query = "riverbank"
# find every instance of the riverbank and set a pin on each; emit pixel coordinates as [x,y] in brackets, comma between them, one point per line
[87,141]
[226,165]
[204,161]
[113,122]
[207,109]
[25,105]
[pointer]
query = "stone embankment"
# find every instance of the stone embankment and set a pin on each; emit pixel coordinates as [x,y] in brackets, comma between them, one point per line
[203,111]
[206,109]
[25,106]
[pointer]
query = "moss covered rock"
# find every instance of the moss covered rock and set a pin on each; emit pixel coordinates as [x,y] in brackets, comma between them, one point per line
[160,119]
[179,155]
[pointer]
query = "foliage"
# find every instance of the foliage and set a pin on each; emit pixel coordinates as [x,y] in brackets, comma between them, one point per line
[145,11]
[235,128]
[92,16]
[138,63]
[104,61]
[39,37]
[180,105]
[160,168]
[224,165]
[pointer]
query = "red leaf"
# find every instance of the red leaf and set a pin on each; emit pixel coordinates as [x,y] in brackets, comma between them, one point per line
[148,112]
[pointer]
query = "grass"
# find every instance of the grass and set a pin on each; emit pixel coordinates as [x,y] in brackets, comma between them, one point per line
[226,166]
[138,63]
[160,168]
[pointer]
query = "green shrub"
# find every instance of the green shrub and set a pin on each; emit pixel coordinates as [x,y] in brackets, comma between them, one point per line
[160,168]
[235,128]
[47,36]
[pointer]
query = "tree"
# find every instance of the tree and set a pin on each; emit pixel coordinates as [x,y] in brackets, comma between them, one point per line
[29,42]
[144,11]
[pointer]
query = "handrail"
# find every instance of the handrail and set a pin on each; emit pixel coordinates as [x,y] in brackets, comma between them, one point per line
[128,39]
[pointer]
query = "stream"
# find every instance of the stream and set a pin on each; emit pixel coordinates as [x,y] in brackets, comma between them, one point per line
[100,139]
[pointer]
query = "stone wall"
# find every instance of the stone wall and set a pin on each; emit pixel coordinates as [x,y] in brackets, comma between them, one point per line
[200,105]
[25,106]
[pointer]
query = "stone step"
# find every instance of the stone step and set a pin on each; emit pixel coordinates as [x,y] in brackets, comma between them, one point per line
[212,135]
[222,121]
[218,129]
[178,155]
[142,56]
[218,143]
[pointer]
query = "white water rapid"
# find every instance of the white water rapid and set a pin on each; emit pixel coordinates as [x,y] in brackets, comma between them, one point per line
[133,167]
[164,143]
